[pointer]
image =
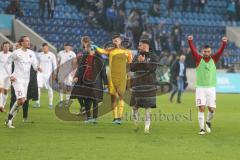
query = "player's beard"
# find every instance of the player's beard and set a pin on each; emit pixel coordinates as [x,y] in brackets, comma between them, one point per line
[206,56]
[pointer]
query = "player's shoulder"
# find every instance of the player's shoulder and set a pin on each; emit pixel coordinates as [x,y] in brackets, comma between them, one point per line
[17,51]
[30,51]
[61,52]
[52,54]
[73,53]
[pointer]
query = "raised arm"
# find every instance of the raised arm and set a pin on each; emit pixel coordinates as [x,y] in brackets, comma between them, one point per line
[100,50]
[219,53]
[194,52]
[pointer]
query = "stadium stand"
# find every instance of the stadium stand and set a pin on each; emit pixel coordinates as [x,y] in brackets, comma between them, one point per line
[69,23]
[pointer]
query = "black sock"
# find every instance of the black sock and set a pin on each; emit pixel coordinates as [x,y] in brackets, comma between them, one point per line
[10,116]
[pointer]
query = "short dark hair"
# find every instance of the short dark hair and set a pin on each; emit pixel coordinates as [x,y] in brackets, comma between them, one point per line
[206,46]
[116,35]
[44,44]
[21,39]
[67,44]
[6,42]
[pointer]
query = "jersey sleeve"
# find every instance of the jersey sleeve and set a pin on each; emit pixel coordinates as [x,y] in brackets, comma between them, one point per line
[59,57]
[8,64]
[54,62]
[219,53]
[34,61]
[194,52]
[129,57]
[102,51]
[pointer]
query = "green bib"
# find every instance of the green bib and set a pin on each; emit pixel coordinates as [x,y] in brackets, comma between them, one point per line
[206,74]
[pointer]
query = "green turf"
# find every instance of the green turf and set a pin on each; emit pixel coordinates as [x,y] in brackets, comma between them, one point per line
[50,138]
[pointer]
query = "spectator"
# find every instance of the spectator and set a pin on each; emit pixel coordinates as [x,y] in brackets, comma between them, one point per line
[14,8]
[119,4]
[185,4]
[51,8]
[155,9]
[42,7]
[194,5]
[164,42]
[231,10]
[170,6]
[201,5]
[238,10]
[111,15]
[134,24]
[176,37]
[178,77]
[92,19]
[119,25]
[101,14]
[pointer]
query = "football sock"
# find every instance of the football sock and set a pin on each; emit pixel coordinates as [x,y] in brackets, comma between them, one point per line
[1,100]
[210,116]
[201,119]
[39,96]
[115,112]
[120,108]
[50,96]
[61,96]
[147,118]
[4,97]
[68,96]
[135,115]
[13,111]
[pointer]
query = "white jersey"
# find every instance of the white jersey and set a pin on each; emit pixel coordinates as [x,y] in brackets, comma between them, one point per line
[64,56]
[65,60]
[23,60]
[5,67]
[47,62]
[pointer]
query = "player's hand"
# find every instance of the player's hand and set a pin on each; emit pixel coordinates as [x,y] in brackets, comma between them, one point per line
[190,38]
[2,109]
[39,69]
[141,58]
[105,86]
[94,47]
[75,79]
[178,77]
[54,76]
[224,39]
[13,78]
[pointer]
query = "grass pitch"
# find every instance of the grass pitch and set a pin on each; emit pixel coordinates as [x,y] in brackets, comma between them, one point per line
[173,135]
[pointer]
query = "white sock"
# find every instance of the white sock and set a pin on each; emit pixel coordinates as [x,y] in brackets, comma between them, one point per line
[50,96]
[201,119]
[68,96]
[13,111]
[39,96]
[61,96]
[1,100]
[210,116]
[5,96]
[135,115]
[147,118]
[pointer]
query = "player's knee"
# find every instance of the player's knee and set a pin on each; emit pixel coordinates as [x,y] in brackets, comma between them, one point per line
[5,92]
[212,110]
[201,108]
[21,101]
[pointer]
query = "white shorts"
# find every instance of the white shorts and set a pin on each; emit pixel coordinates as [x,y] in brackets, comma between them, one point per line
[206,97]
[43,81]
[20,88]
[68,80]
[5,82]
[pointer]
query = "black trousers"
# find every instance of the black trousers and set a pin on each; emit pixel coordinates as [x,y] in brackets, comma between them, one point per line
[88,103]
[50,13]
